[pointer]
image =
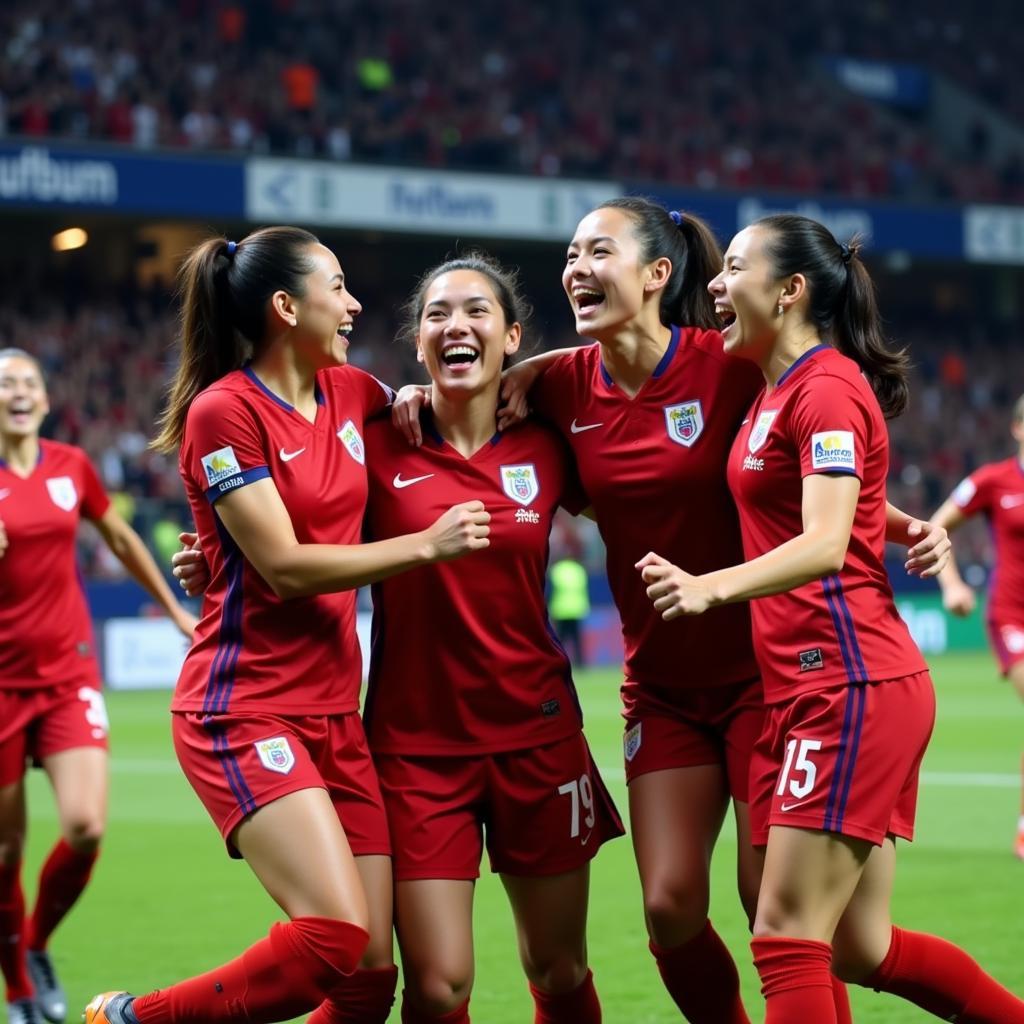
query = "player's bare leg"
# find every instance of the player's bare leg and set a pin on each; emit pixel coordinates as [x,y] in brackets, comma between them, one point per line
[676,815]
[367,995]
[297,848]
[551,926]
[434,922]
[1016,677]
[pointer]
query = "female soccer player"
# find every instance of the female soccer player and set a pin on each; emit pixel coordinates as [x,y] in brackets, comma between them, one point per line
[265,719]
[471,712]
[51,706]
[850,702]
[650,412]
[997,490]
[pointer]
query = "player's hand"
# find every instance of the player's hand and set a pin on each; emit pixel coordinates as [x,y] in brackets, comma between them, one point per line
[931,548]
[189,566]
[958,599]
[463,528]
[405,411]
[673,591]
[513,407]
[3,539]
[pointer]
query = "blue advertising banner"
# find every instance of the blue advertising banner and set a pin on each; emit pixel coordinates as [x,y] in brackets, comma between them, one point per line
[120,181]
[934,231]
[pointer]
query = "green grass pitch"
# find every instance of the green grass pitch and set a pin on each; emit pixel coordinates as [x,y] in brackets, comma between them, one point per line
[166,902]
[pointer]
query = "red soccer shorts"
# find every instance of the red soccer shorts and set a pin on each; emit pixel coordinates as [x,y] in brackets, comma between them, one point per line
[39,722]
[844,760]
[239,763]
[1007,638]
[546,811]
[683,728]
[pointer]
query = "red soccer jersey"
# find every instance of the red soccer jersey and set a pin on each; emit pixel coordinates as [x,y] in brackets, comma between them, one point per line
[821,417]
[252,650]
[997,490]
[654,468]
[46,634]
[464,658]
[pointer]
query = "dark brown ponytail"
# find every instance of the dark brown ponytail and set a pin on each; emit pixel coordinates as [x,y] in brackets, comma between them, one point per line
[224,288]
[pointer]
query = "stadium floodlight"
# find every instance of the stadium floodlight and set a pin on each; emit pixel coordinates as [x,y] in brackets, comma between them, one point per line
[70,238]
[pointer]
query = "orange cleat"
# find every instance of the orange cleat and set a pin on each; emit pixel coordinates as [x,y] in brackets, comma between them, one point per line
[1018,847]
[110,1008]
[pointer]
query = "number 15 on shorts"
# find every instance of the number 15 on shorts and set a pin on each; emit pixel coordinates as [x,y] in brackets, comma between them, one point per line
[799,773]
[580,792]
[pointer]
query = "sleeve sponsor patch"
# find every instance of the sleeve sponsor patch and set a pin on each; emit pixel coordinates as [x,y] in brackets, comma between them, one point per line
[833,449]
[221,464]
[965,490]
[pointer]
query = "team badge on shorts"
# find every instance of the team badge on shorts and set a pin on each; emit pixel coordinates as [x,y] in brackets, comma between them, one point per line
[833,449]
[759,434]
[276,755]
[520,483]
[631,741]
[684,422]
[62,492]
[352,440]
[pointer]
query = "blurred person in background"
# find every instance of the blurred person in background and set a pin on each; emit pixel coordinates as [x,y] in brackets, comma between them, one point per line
[569,600]
[995,490]
[51,705]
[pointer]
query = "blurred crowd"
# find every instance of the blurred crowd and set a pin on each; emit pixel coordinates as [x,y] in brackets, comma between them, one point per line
[706,96]
[108,359]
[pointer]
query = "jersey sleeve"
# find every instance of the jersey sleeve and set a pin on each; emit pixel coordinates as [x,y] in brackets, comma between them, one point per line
[574,498]
[831,427]
[223,447]
[95,500]
[548,394]
[376,395]
[974,493]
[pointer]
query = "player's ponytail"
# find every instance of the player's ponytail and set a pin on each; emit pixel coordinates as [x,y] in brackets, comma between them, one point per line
[691,247]
[224,288]
[843,306]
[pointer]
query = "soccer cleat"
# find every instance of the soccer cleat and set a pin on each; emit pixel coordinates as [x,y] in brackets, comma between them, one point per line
[24,1011]
[1018,847]
[110,1008]
[50,996]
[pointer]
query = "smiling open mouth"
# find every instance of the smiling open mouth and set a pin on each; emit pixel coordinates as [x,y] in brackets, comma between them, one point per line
[459,355]
[587,298]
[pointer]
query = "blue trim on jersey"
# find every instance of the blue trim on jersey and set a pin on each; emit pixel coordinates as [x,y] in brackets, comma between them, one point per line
[673,344]
[846,760]
[378,624]
[803,359]
[846,634]
[231,768]
[39,458]
[232,483]
[221,680]
[429,430]
[248,371]
[835,469]
[606,376]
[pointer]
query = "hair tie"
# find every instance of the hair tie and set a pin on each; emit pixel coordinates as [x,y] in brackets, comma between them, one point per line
[845,253]
[677,217]
[232,246]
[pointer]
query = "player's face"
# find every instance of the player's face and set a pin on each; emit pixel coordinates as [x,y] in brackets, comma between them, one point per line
[326,313]
[463,337]
[23,401]
[604,277]
[746,295]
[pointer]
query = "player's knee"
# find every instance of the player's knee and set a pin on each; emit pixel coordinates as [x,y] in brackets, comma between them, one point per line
[674,911]
[556,971]
[439,992]
[84,832]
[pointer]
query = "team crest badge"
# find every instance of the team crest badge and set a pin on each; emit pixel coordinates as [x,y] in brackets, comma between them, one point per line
[352,440]
[276,755]
[520,483]
[685,422]
[631,741]
[62,492]
[759,434]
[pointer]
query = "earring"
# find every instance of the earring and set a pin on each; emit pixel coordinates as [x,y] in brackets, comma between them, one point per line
[780,309]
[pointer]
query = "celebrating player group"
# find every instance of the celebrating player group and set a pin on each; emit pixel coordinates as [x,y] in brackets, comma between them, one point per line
[724,427]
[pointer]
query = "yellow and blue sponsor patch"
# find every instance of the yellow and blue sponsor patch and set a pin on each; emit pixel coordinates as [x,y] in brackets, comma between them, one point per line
[833,450]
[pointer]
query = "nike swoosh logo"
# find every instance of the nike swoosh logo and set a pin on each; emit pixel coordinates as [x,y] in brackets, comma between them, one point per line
[288,456]
[586,838]
[4,493]
[793,807]
[400,483]
[745,422]
[579,430]
[1011,500]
